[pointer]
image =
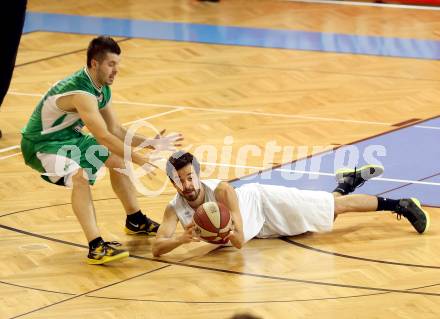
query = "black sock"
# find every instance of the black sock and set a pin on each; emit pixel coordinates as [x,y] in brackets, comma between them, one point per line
[95,242]
[387,204]
[136,218]
[343,189]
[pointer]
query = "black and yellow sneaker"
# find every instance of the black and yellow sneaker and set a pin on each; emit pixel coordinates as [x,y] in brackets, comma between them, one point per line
[148,227]
[411,209]
[354,178]
[105,252]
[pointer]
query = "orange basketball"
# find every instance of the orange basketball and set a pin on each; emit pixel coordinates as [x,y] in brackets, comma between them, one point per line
[212,222]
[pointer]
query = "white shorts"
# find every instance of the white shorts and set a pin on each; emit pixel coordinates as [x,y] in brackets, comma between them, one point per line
[57,167]
[289,211]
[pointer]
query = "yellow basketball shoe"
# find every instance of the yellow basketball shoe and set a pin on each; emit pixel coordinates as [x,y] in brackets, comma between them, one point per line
[106,252]
[147,226]
[411,209]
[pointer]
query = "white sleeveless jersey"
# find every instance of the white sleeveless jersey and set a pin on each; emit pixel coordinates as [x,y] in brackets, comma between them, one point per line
[270,210]
[184,211]
[249,200]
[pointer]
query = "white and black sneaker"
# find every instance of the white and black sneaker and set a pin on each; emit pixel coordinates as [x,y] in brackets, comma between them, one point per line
[350,179]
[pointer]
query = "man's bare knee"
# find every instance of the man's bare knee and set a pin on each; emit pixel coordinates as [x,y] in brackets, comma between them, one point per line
[340,205]
[80,178]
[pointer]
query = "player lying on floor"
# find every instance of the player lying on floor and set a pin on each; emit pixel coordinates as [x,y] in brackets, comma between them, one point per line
[264,211]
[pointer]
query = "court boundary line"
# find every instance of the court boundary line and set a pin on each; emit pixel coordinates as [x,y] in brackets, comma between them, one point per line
[36,209]
[208,302]
[232,111]
[83,294]
[261,169]
[225,43]
[8,156]
[269,114]
[34,288]
[259,302]
[322,251]
[232,272]
[408,184]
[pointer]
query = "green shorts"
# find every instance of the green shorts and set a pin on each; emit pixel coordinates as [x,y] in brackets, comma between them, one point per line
[59,160]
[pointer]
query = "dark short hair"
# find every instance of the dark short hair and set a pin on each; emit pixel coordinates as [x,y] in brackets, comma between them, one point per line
[99,47]
[179,160]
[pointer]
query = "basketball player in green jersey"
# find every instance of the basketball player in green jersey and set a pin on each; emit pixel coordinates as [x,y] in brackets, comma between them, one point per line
[54,145]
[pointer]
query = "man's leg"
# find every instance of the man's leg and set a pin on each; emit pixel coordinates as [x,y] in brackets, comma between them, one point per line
[122,185]
[136,221]
[82,206]
[100,252]
[410,208]
[355,203]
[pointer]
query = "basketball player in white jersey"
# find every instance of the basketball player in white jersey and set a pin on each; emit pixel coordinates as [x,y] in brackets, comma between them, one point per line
[264,211]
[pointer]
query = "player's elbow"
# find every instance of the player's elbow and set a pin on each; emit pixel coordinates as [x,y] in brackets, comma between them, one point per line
[156,251]
[237,244]
[159,248]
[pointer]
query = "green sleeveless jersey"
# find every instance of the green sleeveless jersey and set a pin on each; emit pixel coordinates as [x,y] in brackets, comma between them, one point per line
[49,123]
[50,129]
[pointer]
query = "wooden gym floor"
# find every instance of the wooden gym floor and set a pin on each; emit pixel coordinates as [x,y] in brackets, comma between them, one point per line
[370,266]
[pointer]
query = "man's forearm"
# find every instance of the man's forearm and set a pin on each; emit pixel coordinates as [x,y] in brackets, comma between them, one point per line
[136,139]
[116,146]
[163,246]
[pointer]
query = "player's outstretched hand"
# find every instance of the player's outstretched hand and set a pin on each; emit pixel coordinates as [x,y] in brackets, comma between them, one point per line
[169,142]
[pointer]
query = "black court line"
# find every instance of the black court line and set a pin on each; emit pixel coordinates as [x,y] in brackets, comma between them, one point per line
[204,302]
[408,184]
[88,292]
[232,272]
[253,302]
[287,240]
[56,205]
[283,238]
[38,289]
[211,302]
[60,55]
[235,302]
